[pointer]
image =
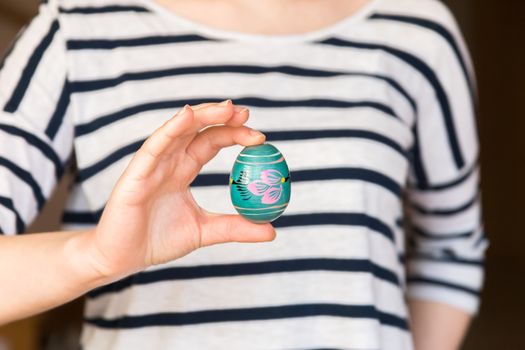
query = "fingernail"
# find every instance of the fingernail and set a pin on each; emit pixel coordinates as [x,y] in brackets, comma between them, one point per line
[225,102]
[185,109]
[240,110]
[256,133]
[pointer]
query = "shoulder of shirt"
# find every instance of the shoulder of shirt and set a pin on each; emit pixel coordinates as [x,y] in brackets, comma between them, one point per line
[429,10]
[413,21]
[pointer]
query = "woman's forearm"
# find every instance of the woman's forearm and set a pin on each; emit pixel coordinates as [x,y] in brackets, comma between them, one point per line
[150,217]
[437,326]
[41,271]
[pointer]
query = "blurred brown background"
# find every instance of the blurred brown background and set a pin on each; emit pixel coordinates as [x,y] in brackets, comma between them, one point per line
[495,33]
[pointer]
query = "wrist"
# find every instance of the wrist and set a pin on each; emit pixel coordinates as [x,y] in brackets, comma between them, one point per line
[86,261]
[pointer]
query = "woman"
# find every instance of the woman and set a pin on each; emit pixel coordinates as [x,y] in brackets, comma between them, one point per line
[371,103]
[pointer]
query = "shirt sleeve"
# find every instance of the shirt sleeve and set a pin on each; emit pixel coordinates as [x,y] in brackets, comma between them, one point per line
[36,134]
[446,242]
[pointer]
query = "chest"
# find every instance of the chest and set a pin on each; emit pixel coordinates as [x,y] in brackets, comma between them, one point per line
[333,122]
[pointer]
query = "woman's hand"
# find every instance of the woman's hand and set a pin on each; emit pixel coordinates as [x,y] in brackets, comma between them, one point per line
[151,216]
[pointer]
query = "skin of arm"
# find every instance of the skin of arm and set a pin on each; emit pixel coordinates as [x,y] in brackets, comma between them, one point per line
[437,326]
[150,218]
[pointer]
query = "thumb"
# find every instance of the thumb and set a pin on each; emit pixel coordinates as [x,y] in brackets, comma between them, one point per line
[220,228]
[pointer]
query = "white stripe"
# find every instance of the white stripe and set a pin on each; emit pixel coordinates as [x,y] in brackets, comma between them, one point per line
[456,298]
[343,153]
[30,159]
[449,197]
[141,126]
[46,85]
[24,48]
[294,333]
[20,193]
[330,241]
[236,86]
[351,198]
[307,287]
[464,221]
[469,276]
[65,137]
[7,221]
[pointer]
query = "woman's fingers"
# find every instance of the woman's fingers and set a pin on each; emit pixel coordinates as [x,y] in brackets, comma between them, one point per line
[219,113]
[241,114]
[209,114]
[210,141]
[179,131]
[159,144]
[233,228]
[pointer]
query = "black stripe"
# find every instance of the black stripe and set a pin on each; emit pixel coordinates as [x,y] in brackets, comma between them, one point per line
[251,314]
[86,128]
[449,257]
[428,73]
[8,204]
[441,236]
[417,159]
[440,30]
[108,44]
[246,269]
[42,146]
[58,115]
[426,280]
[401,258]
[445,212]
[350,219]
[25,177]
[311,219]
[290,135]
[449,184]
[102,9]
[481,239]
[92,85]
[27,74]
[90,171]
[73,217]
[217,179]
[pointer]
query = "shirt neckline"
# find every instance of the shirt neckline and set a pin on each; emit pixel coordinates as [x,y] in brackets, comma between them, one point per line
[222,34]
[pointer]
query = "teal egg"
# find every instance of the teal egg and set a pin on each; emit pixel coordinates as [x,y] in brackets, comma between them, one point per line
[260,183]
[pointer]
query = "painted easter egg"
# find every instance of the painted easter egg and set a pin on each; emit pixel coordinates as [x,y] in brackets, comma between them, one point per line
[260,183]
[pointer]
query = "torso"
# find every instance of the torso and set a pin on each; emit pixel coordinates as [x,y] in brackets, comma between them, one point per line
[341,115]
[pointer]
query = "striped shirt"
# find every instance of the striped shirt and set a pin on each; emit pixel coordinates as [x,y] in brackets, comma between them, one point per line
[374,114]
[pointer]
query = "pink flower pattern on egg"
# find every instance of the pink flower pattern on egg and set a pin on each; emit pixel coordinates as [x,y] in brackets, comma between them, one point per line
[269,186]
